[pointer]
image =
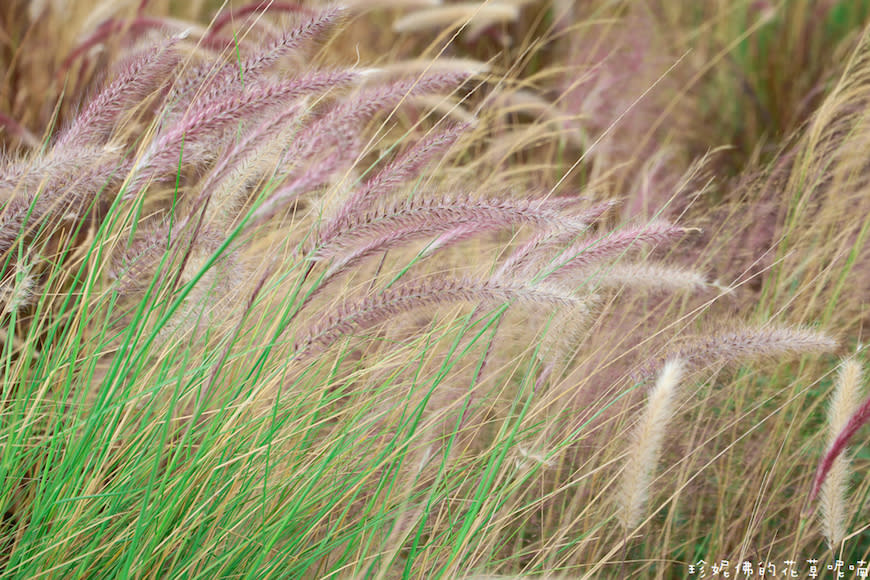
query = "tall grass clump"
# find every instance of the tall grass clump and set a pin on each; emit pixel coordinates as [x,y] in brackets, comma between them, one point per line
[270,315]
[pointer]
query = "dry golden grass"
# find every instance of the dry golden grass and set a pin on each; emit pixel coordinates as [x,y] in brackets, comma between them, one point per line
[387,436]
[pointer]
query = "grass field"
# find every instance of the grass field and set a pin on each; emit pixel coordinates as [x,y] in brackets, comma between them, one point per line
[504,289]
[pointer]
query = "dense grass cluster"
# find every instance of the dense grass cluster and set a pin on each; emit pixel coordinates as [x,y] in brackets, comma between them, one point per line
[480,298]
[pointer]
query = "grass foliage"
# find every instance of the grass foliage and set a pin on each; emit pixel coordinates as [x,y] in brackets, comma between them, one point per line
[516,289]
